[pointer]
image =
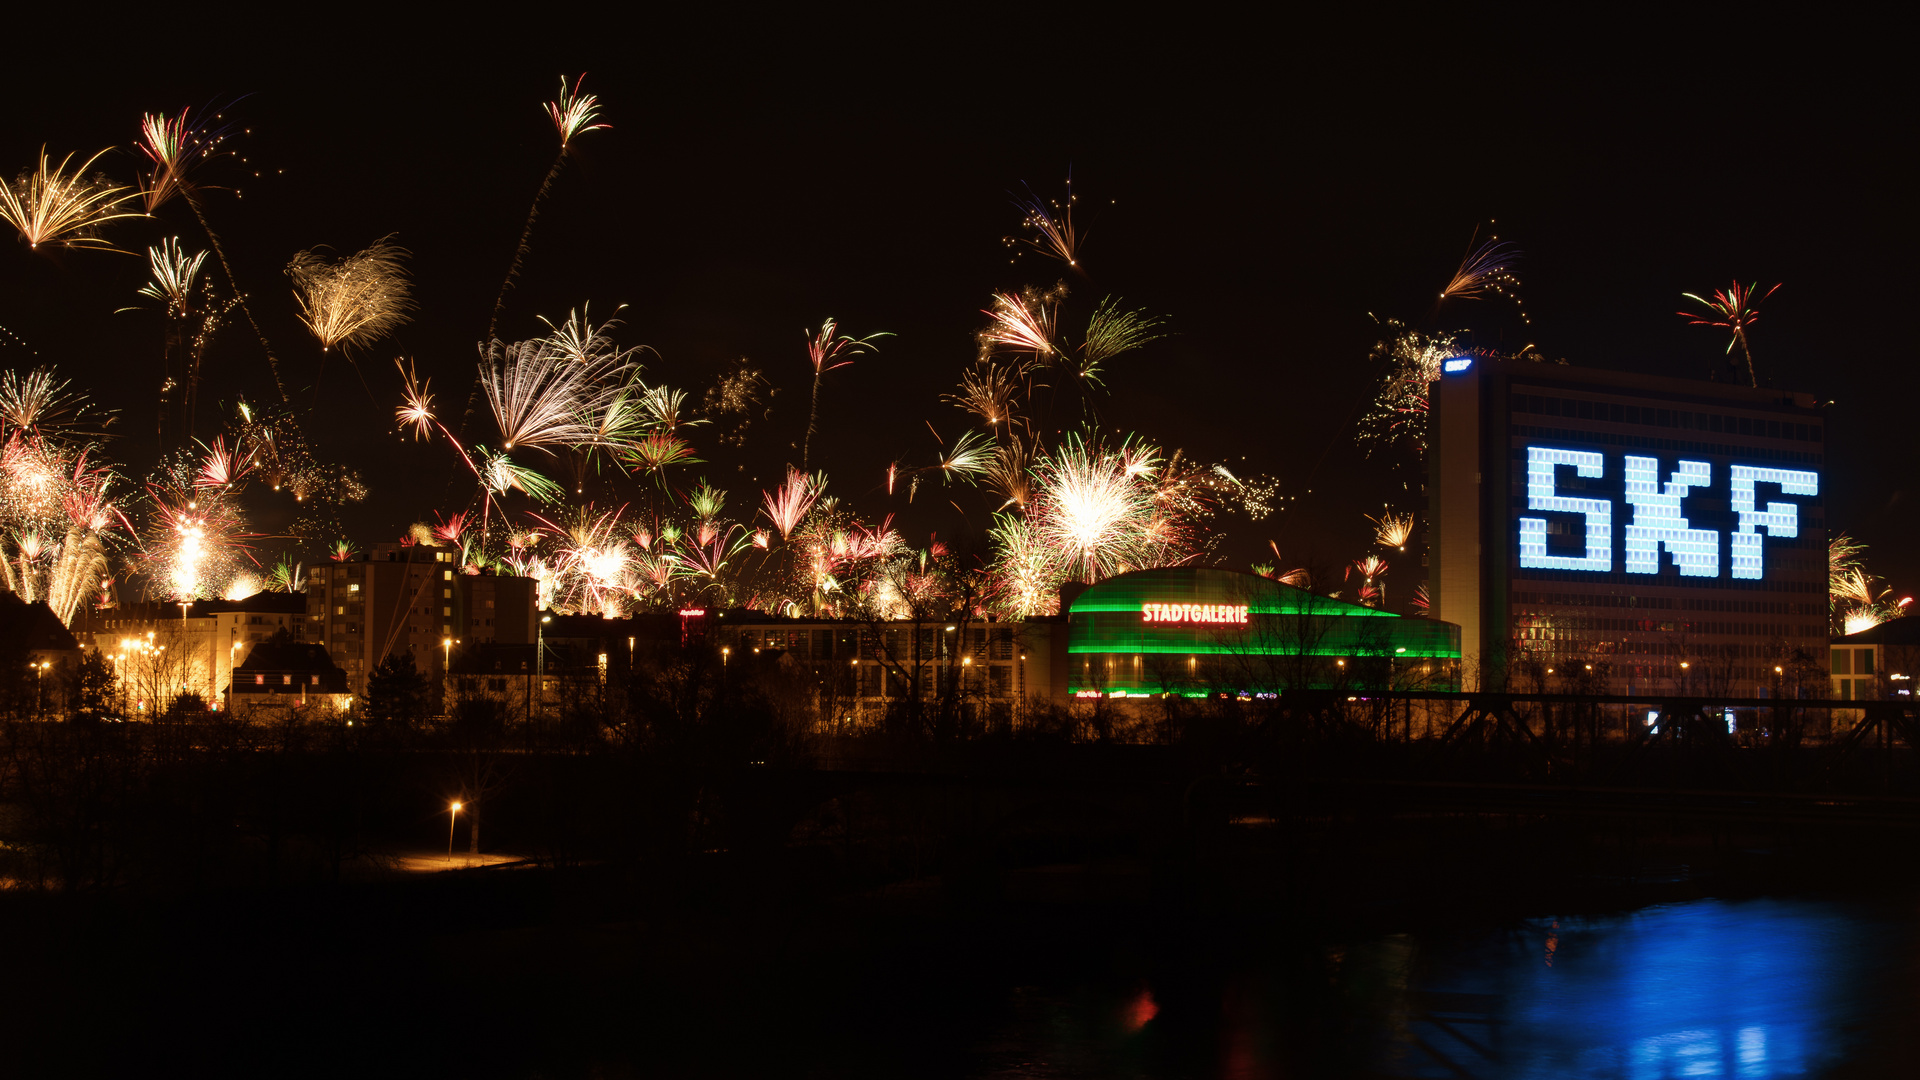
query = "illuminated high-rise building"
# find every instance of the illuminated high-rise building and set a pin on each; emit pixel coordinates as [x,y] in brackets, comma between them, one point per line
[1668,533]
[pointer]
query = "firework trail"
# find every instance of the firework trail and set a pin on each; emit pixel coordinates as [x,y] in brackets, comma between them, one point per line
[354,301]
[1733,309]
[176,150]
[824,348]
[185,298]
[53,205]
[573,114]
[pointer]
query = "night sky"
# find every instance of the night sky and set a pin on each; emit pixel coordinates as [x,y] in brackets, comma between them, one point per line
[1265,187]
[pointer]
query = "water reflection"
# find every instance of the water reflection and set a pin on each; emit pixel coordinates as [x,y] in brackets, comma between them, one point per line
[1709,988]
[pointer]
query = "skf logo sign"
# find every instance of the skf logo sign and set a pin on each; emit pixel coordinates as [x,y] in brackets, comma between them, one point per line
[1657,520]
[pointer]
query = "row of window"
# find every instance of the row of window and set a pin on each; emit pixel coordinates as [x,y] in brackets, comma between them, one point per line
[1678,446]
[1685,419]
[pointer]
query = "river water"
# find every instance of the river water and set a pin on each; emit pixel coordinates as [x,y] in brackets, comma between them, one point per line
[1703,988]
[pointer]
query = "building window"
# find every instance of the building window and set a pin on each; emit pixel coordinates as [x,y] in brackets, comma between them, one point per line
[259,680]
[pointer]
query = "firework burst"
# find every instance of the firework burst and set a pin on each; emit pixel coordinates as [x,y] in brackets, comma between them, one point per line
[1487,267]
[354,301]
[574,113]
[1734,309]
[1392,530]
[40,401]
[1112,332]
[988,391]
[1096,510]
[1019,324]
[175,148]
[1051,223]
[55,205]
[787,505]
[174,275]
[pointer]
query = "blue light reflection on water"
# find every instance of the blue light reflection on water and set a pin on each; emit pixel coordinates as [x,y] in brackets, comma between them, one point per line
[1709,988]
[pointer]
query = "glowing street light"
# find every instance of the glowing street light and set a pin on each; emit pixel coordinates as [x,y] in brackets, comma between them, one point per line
[452,812]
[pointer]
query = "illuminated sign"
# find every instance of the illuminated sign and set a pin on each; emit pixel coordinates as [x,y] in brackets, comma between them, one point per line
[1658,521]
[1194,613]
[1456,365]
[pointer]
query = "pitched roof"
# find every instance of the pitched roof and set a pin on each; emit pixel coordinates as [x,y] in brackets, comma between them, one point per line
[32,627]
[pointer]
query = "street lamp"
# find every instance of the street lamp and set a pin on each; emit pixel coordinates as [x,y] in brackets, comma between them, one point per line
[452,812]
[540,659]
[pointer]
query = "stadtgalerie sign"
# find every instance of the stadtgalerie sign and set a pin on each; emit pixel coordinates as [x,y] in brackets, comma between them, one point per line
[1193,613]
[1658,520]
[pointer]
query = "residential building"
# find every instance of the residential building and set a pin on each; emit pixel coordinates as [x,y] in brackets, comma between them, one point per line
[399,597]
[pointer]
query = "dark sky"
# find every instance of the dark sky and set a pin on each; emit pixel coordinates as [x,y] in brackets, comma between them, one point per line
[1270,186]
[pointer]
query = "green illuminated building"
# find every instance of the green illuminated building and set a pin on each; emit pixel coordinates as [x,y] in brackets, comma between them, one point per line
[1203,632]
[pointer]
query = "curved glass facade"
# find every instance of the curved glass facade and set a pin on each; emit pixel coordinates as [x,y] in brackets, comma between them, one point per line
[1204,631]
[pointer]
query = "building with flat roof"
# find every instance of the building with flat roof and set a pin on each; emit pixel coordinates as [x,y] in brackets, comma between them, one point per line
[1195,631]
[1660,527]
[411,598]
[1877,663]
[163,649]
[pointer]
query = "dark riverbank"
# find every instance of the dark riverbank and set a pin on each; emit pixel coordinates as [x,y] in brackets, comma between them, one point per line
[1306,940]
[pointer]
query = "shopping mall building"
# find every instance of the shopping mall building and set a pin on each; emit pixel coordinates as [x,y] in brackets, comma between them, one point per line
[1179,631]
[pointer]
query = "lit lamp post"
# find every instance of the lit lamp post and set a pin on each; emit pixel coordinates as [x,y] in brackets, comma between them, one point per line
[540,659]
[453,811]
